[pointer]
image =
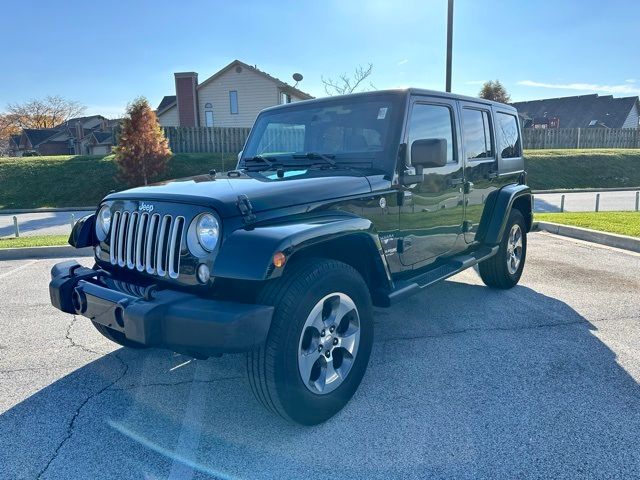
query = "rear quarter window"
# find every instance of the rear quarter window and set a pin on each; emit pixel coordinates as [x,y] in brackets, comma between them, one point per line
[509,143]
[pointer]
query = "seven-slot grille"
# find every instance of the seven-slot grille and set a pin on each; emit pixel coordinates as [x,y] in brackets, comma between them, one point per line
[146,242]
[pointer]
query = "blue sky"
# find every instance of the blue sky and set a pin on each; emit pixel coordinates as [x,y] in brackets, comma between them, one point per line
[103,54]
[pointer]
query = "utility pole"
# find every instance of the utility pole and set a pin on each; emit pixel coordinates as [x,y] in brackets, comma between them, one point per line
[449,43]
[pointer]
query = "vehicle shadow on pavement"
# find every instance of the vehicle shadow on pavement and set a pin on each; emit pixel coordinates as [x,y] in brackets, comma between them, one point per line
[503,384]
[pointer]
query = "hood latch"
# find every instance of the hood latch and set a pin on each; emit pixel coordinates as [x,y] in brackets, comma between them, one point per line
[246,209]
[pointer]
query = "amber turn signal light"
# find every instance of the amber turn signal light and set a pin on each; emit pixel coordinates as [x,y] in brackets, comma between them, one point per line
[278,259]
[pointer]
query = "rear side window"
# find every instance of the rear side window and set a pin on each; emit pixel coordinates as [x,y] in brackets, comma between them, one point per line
[477,134]
[432,121]
[508,136]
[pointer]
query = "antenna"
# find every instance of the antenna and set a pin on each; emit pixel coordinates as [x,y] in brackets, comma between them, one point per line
[298,78]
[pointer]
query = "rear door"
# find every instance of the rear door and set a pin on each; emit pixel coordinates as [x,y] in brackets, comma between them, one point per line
[432,211]
[481,168]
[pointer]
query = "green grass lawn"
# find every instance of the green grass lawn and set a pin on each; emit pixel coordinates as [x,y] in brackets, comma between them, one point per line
[34,241]
[81,181]
[624,223]
[589,168]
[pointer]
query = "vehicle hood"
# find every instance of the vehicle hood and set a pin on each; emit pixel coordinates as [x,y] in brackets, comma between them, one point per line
[221,192]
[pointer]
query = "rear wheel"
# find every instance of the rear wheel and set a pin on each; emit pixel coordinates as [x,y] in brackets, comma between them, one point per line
[319,343]
[504,269]
[117,337]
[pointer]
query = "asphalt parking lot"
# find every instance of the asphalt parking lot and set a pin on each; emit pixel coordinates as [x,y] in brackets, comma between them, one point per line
[541,381]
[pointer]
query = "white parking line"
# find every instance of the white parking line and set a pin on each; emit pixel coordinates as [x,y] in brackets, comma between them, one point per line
[17,269]
[189,439]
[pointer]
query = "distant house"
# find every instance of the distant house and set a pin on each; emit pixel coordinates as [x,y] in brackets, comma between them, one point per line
[92,135]
[232,97]
[582,111]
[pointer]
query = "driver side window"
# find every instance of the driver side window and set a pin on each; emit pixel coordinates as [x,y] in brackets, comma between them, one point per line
[429,121]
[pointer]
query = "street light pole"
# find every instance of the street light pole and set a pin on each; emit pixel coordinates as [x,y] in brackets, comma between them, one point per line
[449,43]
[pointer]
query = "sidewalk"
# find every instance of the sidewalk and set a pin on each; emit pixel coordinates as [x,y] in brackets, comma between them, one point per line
[40,223]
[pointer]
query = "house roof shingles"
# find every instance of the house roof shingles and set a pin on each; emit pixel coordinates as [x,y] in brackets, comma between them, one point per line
[170,100]
[580,111]
[103,137]
[38,135]
[166,102]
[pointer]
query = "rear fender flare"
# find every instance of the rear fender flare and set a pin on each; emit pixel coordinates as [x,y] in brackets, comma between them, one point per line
[498,208]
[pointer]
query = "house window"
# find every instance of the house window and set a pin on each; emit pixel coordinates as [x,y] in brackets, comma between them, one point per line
[285,97]
[208,118]
[208,106]
[233,101]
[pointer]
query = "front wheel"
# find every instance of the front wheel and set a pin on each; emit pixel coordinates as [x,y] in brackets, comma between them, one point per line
[319,343]
[504,269]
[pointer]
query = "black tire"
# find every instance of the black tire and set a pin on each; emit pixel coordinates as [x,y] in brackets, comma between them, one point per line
[495,271]
[117,337]
[273,369]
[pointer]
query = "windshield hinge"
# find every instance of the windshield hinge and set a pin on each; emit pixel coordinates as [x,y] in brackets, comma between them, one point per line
[246,209]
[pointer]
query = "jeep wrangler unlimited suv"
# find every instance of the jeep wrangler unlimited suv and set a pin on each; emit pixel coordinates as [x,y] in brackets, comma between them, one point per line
[337,204]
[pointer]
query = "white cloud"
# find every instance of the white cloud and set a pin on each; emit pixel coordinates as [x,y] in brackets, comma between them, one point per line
[630,80]
[403,61]
[624,89]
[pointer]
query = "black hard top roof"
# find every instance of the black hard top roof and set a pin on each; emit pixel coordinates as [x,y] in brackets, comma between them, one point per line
[404,92]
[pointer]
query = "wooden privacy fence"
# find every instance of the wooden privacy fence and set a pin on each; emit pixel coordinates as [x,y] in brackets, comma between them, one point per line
[231,139]
[206,139]
[537,138]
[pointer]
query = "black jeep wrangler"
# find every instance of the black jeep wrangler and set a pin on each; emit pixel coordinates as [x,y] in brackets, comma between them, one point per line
[336,205]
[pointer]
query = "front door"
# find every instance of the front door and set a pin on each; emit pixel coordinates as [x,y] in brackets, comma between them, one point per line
[432,210]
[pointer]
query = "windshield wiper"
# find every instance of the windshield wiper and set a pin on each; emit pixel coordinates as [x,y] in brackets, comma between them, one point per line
[317,156]
[270,162]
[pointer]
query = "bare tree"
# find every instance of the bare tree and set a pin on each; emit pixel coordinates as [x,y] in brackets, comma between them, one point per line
[44,113]
[7,128]
[346,84]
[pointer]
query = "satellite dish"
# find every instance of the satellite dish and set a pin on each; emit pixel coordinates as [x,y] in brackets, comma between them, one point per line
[297,77]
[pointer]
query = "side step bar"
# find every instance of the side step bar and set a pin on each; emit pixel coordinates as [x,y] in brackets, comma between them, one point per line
[405,288]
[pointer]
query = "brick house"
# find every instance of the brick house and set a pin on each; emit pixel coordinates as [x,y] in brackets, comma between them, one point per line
[232,97]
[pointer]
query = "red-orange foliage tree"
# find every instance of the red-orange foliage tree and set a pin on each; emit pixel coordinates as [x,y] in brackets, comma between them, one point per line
[142,152]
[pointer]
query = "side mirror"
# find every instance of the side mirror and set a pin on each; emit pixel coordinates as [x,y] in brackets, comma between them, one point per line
[428,153]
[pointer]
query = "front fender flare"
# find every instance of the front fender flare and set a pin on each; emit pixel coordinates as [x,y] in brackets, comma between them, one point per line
[247,254]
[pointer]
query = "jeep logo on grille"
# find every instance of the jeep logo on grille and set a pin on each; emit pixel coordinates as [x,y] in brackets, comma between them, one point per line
[145,207]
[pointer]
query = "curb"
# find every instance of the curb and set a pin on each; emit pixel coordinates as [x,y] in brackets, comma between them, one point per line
[587,190]
[595,236]
[9,211]
[44,252]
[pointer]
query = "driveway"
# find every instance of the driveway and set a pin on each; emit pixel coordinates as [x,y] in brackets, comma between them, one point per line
[464,382]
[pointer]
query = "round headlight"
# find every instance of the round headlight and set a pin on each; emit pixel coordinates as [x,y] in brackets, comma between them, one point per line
[208,231]
[103,222]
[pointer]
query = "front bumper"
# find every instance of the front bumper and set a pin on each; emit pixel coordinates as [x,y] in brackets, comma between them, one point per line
[169,319]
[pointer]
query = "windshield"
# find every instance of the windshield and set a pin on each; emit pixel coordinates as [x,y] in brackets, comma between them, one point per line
[354,131]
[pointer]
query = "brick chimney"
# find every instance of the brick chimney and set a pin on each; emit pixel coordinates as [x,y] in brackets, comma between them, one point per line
[187,98]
